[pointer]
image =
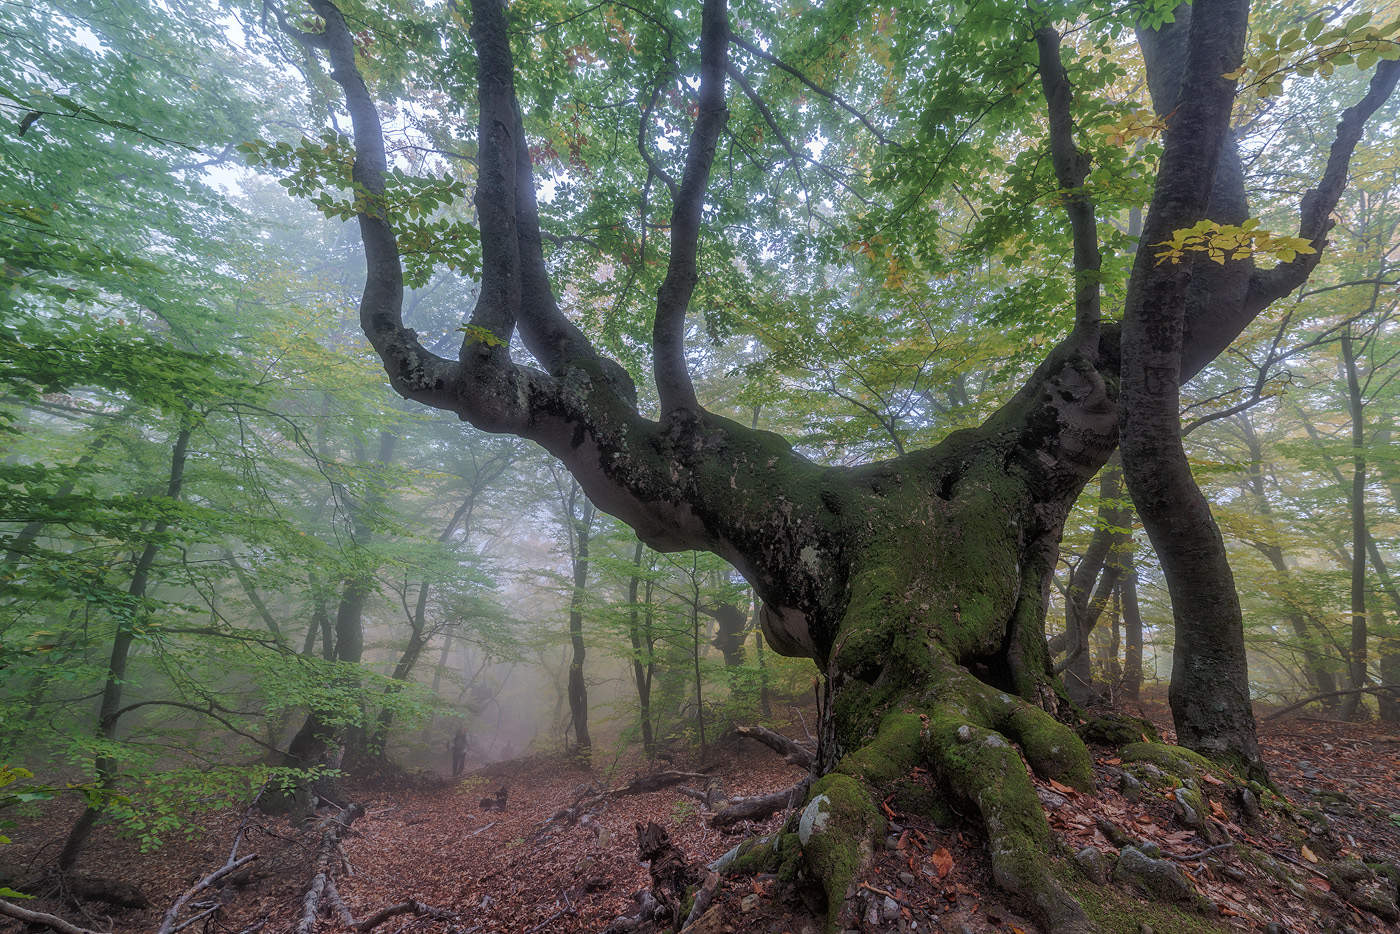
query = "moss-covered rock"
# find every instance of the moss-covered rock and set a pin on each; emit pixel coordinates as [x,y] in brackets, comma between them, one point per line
[1156,877]
[1118,730]
[1174,760]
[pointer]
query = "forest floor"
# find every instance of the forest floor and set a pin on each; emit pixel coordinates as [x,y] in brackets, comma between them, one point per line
[428,839]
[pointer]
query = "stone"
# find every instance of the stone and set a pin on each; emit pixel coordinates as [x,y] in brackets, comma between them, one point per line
[1249,804]
[889,909]
[872,913]
[906,879]
[748,902]
[1372,896]
[1129,786]
[1091,860]
[1154,876]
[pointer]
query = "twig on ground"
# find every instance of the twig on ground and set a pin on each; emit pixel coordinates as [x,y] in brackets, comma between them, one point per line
[167,925]
[38,917]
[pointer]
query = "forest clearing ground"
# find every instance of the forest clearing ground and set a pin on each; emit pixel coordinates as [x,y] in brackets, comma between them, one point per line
[429,839]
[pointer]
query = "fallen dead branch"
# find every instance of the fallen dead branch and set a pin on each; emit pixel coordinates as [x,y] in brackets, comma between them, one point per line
[38,917]
[167,926]
[230,866]
[402,908]
[703,896]
[790,749]
[757,807]
[332,828]
[589,796]
[1378,690]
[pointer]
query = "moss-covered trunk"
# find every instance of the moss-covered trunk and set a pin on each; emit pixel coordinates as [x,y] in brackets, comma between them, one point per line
[938,656]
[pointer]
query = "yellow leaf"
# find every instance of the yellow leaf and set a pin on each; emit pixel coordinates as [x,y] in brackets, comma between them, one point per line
[1308,854]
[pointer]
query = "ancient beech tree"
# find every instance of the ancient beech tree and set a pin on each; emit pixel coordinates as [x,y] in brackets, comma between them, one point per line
[919,583]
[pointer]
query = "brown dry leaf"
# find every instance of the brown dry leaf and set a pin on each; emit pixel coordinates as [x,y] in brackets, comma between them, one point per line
[1218,811]
[942,861]
[1307,854]
[1062,788]
[1210,779]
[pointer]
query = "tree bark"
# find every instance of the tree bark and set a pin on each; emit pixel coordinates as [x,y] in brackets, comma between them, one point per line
[581,532]
[639,630]
[1209,691]
[1357,676]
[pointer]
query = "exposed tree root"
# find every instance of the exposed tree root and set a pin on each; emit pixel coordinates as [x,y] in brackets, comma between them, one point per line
[963,731]
[703,896]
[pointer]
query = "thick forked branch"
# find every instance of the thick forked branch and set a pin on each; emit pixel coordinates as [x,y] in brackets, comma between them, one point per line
[414,372]
[1315,212]
[1071,169]
[1211,329]
[673,384]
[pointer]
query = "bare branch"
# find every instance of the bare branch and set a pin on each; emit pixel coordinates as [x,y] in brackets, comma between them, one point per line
[1213,328]
[811,86]
[39,917]
[673,384]
[1071,169]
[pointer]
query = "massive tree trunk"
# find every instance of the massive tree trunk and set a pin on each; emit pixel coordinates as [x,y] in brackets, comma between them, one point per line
[917,584]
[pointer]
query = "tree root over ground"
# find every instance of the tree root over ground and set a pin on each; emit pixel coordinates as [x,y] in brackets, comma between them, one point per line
[962,730]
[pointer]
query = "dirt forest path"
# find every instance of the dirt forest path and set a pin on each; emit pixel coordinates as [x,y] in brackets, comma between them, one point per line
[431,840]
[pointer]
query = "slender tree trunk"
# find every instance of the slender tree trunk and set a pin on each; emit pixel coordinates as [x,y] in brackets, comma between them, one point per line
[1132,626]
[641,646]
[1113,645]
[578,688]
[1357,657]
[1093,581]
[695,655]
[418,623]
[109,713]
[765,704]
[254,598]
[1314,662]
